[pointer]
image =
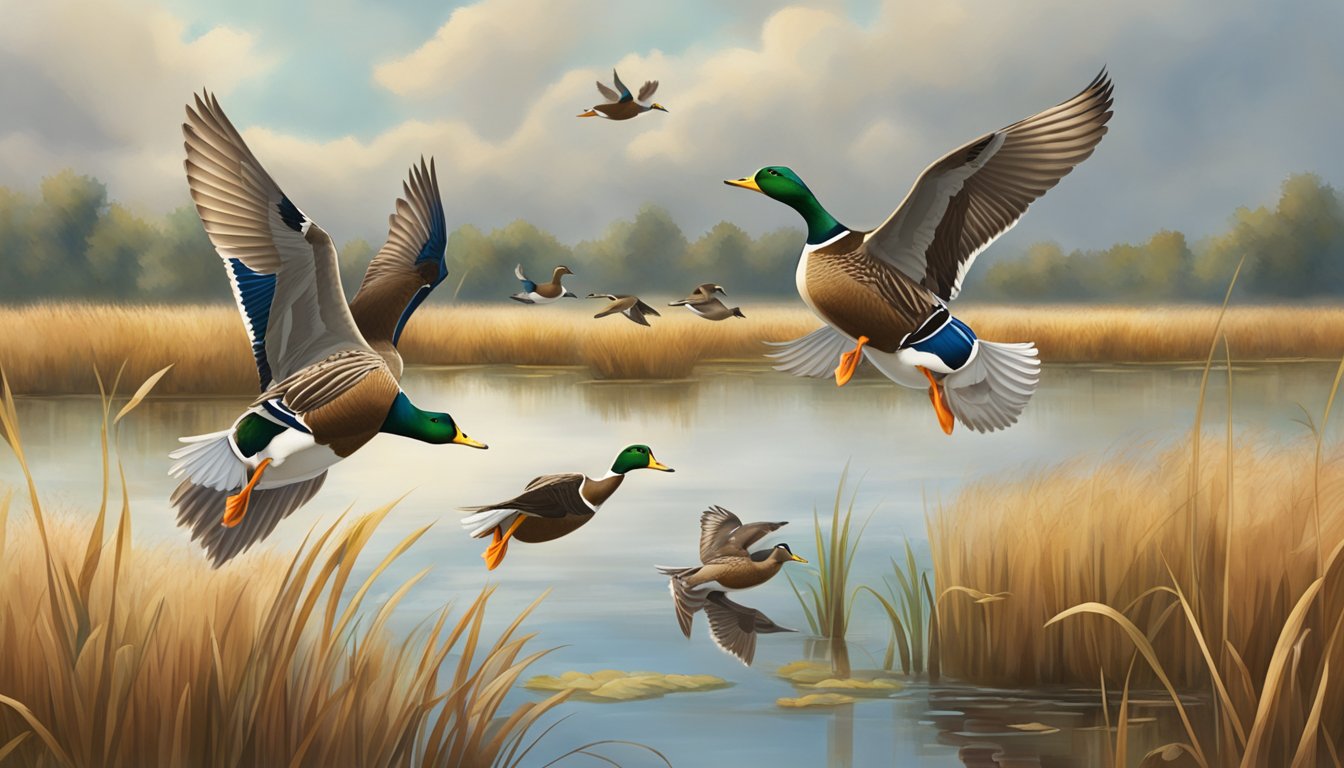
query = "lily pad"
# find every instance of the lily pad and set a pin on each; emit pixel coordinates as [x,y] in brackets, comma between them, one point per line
[613,685]
[816,700]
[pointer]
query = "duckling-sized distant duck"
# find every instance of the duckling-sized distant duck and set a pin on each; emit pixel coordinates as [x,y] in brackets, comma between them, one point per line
[630,306]
[543,293]
[884,293]
[621,104]
[552,505]
[326,388]
[704,303]
[728,566]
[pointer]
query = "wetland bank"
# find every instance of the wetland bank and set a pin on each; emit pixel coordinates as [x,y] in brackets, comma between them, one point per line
[1086,506]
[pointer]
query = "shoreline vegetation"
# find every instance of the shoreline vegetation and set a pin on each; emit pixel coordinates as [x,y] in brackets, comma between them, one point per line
[114,654]
[53,348]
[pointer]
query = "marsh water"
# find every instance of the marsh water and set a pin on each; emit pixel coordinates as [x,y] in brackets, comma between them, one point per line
[763,444]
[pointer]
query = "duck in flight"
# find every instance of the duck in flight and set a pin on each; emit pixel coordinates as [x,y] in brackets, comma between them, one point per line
[703,303]
[728,566]
[621,104]
[883,294]
[543,293]
[631,306]
[328,371]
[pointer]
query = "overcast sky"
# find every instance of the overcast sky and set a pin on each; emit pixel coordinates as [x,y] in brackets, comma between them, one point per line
[1216,102]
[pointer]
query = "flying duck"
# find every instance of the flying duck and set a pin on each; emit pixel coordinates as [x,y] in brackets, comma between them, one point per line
[627,305]
[883,294]
[728,566]
[326,389]
[543,293]
[704,303]
[621,104]
[552,506]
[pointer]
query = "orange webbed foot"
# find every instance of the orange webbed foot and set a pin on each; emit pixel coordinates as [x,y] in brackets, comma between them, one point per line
[849,363]
[945,418]
[499,545]
[235,507]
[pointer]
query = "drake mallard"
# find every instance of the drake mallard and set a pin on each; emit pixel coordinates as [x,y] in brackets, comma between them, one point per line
[883,294]
[728,566]
[630,306]
[621,104]
[704,303]
[552,506]
[543,293]
[326,389]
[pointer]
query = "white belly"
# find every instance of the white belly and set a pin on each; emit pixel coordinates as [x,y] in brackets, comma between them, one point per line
[294,456]
[537,298]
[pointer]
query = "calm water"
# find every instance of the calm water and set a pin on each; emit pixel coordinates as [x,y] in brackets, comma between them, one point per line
[765,445]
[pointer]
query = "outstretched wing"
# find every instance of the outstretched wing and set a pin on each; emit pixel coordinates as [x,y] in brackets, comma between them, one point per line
[624,92]
[607,93]
[966,200]
[722,534]
[815,355]
[546,496]
[410,264]
[198,508]
[281,264]
[646,90]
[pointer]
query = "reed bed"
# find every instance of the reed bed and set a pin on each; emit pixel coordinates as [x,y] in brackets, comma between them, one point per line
[116,655]
[1216,566]
[52,348]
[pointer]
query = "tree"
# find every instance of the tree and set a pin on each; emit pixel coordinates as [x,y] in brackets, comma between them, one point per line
[113,255]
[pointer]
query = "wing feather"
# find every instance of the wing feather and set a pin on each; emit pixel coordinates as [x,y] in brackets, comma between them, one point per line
[281,265]
[971,196]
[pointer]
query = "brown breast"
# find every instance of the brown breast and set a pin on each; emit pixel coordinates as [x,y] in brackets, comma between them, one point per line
[351,420]
[537,529]
[865,298]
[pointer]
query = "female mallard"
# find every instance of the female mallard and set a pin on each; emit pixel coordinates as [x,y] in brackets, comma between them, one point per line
[704,303]
[552,505]
[622,105]
[885,292]
[326,388]
[631,306]
[728,566]
[542,293]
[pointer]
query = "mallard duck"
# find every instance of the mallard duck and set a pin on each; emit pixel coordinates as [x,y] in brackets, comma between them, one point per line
[552,506]
[884,293]
[728,566]
[704,303]
[543,293]
[627,305]
[325,389]
[621,104]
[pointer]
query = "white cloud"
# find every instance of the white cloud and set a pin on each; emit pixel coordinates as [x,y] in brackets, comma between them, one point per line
[1203,122]
[122,72]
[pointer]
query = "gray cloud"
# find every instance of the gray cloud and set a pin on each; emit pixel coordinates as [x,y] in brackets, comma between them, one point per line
[1215,104]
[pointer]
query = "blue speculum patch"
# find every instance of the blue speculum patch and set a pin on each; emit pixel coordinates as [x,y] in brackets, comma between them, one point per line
[952,343]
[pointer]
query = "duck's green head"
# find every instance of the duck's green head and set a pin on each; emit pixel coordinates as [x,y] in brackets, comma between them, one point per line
[434,427]
[637,457]
[781,183]
[775,181]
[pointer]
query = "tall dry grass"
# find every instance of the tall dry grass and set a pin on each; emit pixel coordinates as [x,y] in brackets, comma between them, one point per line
[1217,566]
[52,348]
[115,655]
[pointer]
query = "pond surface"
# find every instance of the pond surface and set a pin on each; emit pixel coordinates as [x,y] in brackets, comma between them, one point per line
[765,445]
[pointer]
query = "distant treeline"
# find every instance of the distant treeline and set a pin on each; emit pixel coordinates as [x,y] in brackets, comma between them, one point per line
[1293,251]
[70,242]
